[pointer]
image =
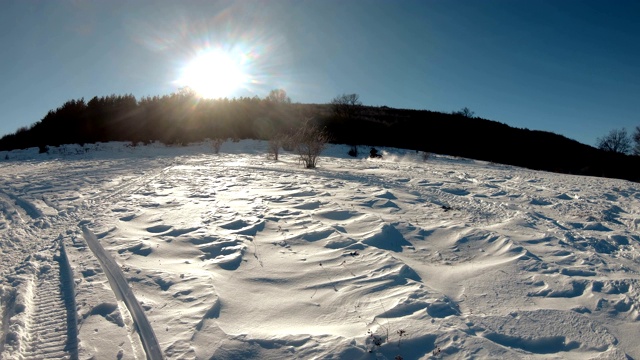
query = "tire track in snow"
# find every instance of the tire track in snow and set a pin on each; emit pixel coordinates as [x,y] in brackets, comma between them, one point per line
[130,186]
[9,214]
[120,286]
[51,325]
[46,313]
[5,302]
[32,211]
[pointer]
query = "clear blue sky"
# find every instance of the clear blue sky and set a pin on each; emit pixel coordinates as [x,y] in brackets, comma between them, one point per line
[567,66]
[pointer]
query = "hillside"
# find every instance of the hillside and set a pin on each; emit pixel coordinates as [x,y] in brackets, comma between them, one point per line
[182,118]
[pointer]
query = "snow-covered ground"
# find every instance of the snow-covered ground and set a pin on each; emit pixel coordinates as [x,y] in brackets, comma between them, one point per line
[235,256]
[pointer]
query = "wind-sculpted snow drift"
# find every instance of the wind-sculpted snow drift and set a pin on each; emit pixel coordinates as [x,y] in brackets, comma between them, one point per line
[234,256]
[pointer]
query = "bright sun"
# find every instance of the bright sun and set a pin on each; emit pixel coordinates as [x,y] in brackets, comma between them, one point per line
[214,74]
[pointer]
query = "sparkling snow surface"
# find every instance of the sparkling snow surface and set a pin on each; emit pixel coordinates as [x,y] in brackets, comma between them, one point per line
[235,256]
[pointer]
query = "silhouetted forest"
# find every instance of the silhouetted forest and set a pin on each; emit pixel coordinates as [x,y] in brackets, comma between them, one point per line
[181,118]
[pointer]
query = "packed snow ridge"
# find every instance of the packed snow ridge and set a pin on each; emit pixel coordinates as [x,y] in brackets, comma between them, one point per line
[110,251]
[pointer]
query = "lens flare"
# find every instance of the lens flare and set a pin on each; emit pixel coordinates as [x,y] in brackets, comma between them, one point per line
[215,73]
[215,53]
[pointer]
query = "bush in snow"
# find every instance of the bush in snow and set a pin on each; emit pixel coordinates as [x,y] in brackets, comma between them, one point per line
[277,141]
[308,142]
[216,144]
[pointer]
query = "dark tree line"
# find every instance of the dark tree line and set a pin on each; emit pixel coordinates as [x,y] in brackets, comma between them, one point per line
[182,117]
[177,118]
[461,134]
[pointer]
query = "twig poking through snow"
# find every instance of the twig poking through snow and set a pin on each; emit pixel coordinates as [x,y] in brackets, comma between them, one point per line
[255,252]
[329,277]
[401,333]
[386,328]
[344,264]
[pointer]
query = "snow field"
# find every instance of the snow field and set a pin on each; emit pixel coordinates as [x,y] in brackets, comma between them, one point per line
[233,256]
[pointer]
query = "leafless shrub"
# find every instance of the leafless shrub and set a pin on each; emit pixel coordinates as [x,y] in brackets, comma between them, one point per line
[216,144]
[308,142]
[277,142]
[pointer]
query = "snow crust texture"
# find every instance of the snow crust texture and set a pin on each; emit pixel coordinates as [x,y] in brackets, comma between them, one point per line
[235,256]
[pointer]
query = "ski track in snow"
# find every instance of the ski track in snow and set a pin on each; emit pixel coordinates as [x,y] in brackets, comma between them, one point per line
[122,290]
[235,256]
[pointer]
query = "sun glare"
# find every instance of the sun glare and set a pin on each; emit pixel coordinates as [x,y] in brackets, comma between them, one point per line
[214,74]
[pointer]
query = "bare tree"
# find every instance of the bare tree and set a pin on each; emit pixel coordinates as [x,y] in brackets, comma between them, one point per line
[465,111]
[636,139]
[617,141]
[278,96]
[308,142]
[345,106]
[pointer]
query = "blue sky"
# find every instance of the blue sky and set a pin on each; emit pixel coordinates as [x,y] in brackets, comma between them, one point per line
[571,67]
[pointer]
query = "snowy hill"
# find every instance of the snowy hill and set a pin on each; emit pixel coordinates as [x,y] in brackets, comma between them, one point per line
[234,256]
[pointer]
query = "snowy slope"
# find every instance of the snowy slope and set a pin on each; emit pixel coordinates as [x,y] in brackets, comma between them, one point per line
[234,256]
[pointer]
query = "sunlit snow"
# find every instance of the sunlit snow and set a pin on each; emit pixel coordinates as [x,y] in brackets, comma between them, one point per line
[235,256]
